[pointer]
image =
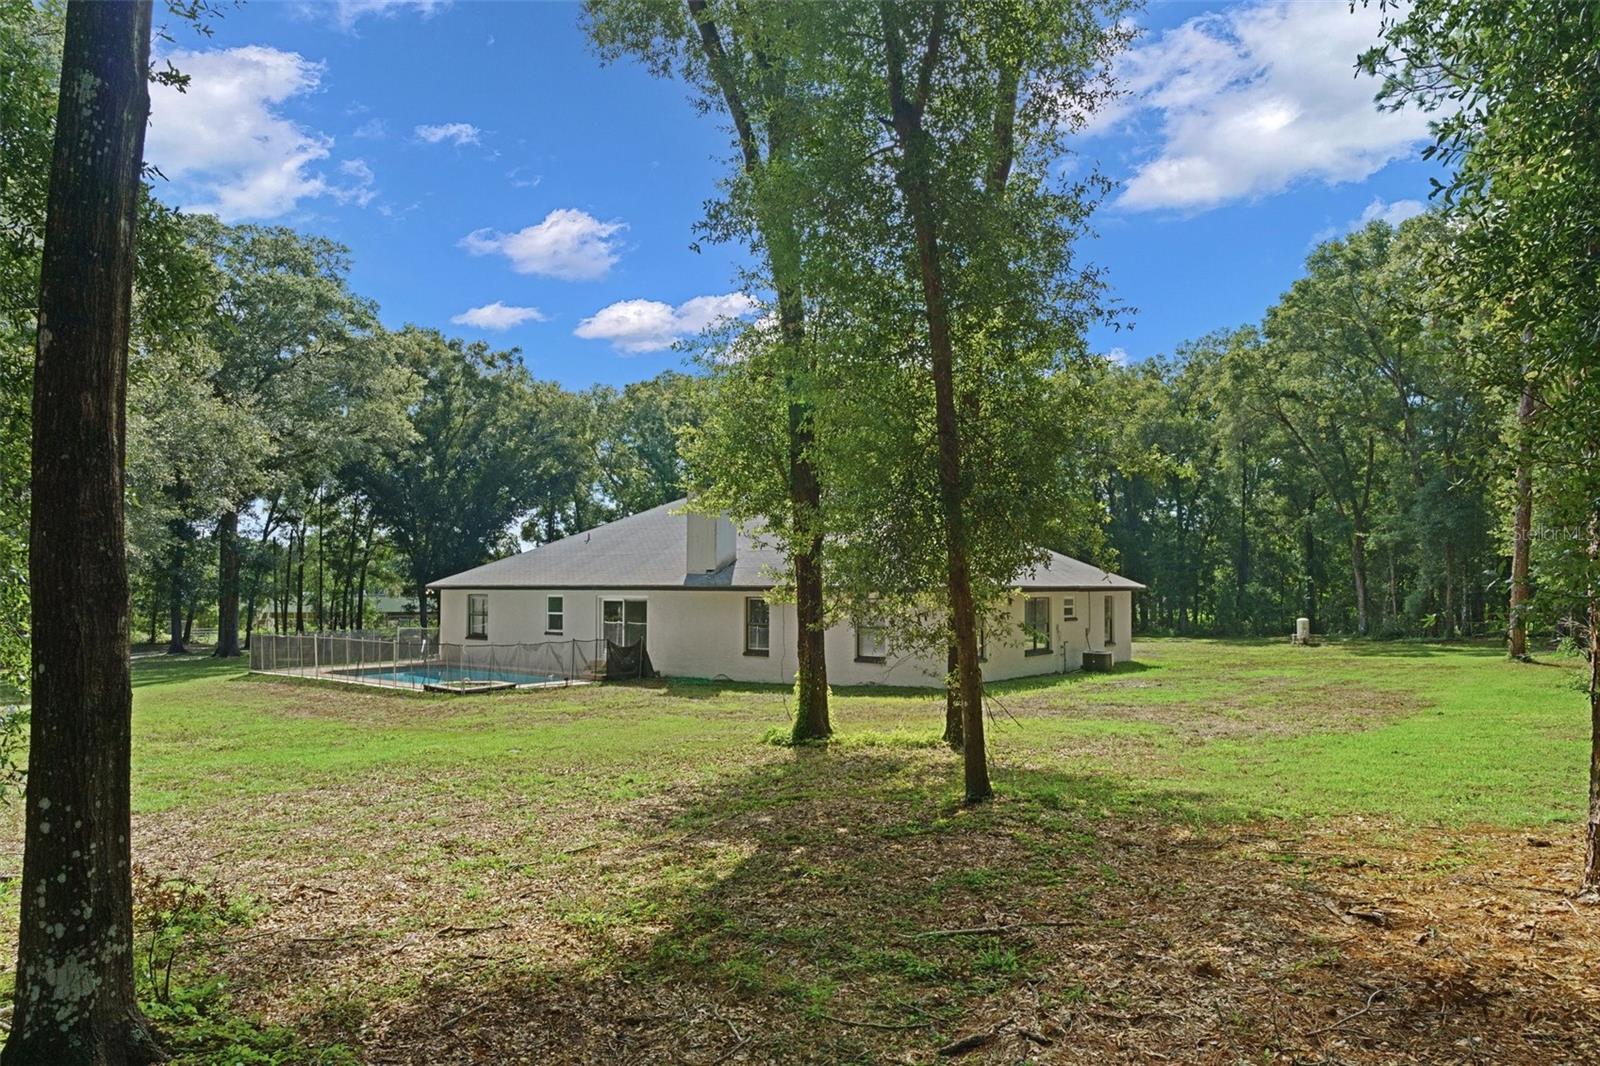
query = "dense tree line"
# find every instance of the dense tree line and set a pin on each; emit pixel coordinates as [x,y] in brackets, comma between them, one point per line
[332,460]
[1338,461]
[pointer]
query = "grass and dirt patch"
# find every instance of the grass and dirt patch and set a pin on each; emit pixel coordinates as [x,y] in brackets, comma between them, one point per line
[1227,851]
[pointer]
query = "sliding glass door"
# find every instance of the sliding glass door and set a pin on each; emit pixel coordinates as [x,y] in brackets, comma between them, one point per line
[624,621]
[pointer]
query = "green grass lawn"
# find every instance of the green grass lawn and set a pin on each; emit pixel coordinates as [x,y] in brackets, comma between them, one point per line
[1210,729]
[636,872]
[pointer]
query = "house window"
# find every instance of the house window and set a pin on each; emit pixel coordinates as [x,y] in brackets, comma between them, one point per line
[1036,624]
[1111,622]
[757,626]
[555,615]
[477,616]
[623,621]
[872,642]
[1069,608]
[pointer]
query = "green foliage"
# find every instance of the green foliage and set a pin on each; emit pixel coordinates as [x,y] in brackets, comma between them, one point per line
[1339,462]
[1516,114]
[199,1027]
[30,44]
[484,447]
[623,455]
[169,914]
[176,920]
[859,367]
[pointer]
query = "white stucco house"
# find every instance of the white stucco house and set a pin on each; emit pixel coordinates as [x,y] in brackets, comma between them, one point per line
[693,588]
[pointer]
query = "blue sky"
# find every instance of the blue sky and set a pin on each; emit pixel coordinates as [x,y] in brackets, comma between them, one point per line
[494,180]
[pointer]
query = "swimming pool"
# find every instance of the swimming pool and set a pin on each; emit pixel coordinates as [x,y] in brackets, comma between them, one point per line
[420,676]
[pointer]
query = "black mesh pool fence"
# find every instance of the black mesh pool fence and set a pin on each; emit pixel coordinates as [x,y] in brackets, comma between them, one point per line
[417,659]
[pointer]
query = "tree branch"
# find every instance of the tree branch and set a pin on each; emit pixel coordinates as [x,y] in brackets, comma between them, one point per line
[722,74]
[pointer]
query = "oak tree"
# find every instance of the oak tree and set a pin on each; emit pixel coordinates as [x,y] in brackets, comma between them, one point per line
[74,997]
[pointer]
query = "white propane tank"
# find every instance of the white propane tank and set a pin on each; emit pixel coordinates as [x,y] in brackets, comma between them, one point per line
[1302,631]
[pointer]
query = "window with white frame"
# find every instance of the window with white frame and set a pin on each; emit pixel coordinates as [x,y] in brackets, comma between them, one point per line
[477,616]
[757,626]
[872,642]
[1069,608]
[1036,624]
[555,614]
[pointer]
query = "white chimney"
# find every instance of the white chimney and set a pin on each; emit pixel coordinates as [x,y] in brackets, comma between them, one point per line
[711,543]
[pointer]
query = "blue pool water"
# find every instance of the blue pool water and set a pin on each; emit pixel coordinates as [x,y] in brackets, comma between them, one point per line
[433,675]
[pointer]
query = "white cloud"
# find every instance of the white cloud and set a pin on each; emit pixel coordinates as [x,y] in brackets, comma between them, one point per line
[348,12]
[226,143]
[374,129]
[362,190]
[1253,98]
[1394,212]
[568,244]
[1117,356]
[456,132]
[497,316]
[649,325]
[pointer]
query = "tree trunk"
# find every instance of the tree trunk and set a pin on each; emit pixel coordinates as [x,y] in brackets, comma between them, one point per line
[288,582]
[280,594]
[1309,549]
[952,697]
[1591,859]
[322,535]
[250,603]
[188,621]
[361,586]
[1358,567]
[74,996]
[805,495]
[155,603]
[1394,587]
[347,598]
[1242,565]
[256,560]
[227,585]
[422,601]
[1449,615]
[913,178]
[175,598]
[1522,542]
[811,712]
[300,584]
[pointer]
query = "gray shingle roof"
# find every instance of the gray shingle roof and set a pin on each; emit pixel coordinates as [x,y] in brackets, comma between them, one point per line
[648,550]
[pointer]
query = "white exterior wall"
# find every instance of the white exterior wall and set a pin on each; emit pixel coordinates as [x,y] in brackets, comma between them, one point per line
[700,633]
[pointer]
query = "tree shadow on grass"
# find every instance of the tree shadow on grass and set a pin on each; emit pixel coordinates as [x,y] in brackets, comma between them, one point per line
[1017,686]
[166,669]
[712,688]
[1409,649]
[839,906]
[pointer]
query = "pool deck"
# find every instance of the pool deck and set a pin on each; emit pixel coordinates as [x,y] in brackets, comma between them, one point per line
[384,678]
[469,688]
